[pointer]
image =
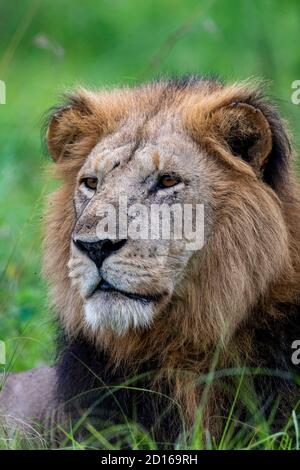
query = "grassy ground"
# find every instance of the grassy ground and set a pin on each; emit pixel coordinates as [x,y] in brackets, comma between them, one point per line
[256,432]
[49,45]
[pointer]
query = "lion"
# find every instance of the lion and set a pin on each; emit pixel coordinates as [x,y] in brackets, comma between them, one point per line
[145,324]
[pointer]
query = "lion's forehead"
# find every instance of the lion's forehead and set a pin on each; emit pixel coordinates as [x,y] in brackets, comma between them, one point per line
[142,148]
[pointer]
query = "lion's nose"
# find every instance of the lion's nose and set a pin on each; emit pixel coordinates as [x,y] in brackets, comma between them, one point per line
[100,250]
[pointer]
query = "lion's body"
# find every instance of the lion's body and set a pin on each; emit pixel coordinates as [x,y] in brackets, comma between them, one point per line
[234,303]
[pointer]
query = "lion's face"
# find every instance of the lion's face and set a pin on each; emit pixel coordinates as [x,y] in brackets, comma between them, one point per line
[126,279]
[220,151]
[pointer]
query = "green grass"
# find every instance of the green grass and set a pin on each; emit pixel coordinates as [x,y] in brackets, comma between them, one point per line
[254,433]
[47,46]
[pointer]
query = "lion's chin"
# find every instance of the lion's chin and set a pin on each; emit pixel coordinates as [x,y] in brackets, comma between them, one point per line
[113,310]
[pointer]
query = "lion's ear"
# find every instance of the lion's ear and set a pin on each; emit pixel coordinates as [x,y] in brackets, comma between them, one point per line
[246,132]
[254,132]
[61,131]
[73,126]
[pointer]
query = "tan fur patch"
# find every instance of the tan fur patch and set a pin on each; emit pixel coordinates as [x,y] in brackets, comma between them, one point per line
[156,160]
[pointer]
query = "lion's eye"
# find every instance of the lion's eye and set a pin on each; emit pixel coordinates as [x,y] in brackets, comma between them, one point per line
[90,183]
[167,181]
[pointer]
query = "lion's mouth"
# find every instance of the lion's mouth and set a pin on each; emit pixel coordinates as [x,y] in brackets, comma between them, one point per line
[105,286]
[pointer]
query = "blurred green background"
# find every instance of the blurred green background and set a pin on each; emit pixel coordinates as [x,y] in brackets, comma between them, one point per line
[47,46]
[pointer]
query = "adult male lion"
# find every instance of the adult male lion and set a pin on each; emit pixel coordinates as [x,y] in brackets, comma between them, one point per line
[151,314]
